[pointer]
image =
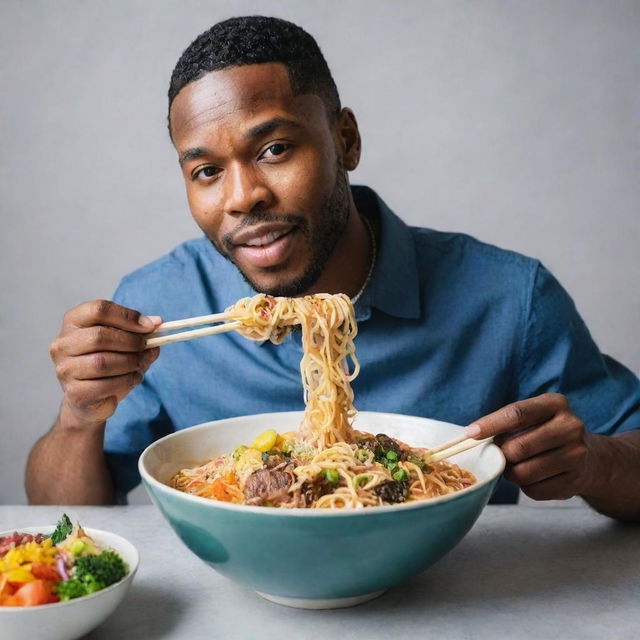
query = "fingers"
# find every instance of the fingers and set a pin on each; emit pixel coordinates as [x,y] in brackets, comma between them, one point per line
[559,487]
[544,443]
[109,314]
[97,339]
[100,356]
[560,430]
[105,364]
[518,415]
[568,459]
[97,399]
[94,396]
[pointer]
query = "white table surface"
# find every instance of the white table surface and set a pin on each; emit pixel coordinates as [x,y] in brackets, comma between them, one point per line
[521,572]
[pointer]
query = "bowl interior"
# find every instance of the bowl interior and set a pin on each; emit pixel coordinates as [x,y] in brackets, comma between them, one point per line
[193,446]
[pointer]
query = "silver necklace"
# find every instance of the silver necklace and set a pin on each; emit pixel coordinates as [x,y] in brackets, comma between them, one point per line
[373,260]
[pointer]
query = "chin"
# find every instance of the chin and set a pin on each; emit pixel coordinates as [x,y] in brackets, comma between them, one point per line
[280,283]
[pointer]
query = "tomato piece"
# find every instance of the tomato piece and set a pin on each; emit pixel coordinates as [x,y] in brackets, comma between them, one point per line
[44,571]
[35,593]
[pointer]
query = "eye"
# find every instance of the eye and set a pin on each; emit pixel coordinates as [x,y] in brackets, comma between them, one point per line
[205,173]
[274,150]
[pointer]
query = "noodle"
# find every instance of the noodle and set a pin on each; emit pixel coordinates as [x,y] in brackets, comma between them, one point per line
[326,464]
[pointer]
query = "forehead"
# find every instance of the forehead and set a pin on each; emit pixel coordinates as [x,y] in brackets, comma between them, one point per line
[237,97]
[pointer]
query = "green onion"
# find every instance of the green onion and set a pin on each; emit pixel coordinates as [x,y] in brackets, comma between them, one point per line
[331,475]
[359,481]
[401,475]
[417,460]
[392,455]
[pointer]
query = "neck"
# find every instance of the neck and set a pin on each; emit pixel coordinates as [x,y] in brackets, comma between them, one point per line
[350,262]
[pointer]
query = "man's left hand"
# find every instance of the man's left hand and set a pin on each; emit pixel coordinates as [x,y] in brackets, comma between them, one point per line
[548,450]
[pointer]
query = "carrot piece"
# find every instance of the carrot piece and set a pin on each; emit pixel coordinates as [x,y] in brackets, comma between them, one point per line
[218,490]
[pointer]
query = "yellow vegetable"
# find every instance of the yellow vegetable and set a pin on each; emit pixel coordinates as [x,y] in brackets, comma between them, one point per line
[20,575]
[250,457]
[265,441]
[285,439]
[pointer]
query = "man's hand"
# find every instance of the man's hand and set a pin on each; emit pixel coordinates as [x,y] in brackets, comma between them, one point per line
[99,357]
[549,453]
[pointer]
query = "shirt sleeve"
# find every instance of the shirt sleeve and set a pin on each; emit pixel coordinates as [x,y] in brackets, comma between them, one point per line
[559,355]
[139,420]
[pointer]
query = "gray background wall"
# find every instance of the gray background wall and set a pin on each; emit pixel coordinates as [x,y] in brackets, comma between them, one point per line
[517,122]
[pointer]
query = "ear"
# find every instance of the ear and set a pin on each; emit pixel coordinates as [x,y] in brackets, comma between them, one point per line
[349,142]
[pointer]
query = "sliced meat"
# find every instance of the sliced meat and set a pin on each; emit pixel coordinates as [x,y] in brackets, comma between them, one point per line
[272,460]
[267,486]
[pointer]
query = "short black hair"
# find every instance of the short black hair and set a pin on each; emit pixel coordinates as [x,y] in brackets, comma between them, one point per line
[255,40]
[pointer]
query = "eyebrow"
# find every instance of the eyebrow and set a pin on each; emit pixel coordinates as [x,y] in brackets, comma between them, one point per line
[265,128]
[262,129]
[192,154]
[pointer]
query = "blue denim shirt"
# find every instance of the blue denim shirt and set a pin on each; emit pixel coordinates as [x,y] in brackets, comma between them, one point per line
[448,328]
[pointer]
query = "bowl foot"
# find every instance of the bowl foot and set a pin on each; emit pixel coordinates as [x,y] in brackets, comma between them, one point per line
[309,603]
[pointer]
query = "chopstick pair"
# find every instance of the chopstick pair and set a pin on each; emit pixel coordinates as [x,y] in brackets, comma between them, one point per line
[453,447]
[158,340]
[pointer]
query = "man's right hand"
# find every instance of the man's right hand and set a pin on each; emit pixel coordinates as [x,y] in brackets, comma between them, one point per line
[99,357]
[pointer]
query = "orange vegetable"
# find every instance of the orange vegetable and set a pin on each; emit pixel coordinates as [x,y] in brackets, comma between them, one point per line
[5,588]
[44,571]
[218,490]
[34,593]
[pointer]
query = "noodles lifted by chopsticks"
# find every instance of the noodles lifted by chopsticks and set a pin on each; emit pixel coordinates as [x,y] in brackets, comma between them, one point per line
[328,330]
[326,464]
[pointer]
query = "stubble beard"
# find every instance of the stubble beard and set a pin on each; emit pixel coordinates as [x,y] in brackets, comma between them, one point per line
[321,240]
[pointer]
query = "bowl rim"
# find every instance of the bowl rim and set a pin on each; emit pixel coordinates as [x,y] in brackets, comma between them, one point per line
[312,513]
[48,528]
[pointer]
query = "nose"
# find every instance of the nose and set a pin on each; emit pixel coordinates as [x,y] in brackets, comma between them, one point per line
[245,190]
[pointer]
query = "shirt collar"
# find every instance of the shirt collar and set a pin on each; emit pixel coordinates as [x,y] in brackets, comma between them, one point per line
[394,284]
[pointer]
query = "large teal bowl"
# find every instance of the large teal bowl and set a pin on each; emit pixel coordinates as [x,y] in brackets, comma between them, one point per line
[316,558]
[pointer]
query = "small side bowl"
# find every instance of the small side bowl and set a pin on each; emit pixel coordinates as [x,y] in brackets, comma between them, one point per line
[72,618]
[316,558]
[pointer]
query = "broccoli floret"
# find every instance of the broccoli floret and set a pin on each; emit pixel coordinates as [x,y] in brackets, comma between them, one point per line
[62,530]
[74,587]
[91,574]
[106,568]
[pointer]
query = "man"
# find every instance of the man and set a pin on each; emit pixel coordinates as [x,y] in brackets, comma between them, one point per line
[449,328]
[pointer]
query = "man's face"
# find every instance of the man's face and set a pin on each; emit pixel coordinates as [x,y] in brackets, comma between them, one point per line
[263,174]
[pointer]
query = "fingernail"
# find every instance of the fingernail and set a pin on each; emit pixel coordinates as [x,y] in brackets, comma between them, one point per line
[472,430]
[149,321]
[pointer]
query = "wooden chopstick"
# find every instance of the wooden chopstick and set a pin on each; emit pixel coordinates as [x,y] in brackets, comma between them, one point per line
[159,341]
[446,445]
[454,447]
[192,322]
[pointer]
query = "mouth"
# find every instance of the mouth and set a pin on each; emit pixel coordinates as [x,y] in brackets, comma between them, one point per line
[264,246]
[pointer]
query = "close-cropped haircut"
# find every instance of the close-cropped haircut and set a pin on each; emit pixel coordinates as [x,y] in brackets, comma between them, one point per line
[254,40]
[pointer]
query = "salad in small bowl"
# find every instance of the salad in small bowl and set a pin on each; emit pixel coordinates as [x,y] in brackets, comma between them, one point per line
[62,581]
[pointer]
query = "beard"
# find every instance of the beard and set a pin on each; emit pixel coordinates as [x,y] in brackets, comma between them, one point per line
[321,239]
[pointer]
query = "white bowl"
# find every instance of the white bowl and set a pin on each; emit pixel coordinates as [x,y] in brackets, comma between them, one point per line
[72,618]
